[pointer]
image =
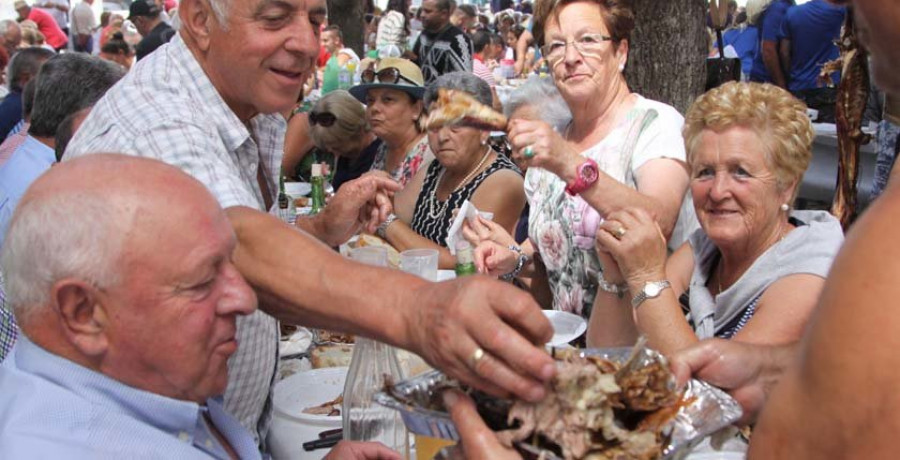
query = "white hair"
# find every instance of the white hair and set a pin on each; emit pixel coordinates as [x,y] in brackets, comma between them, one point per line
[755,9]
[5,25]
[72,234]
[542,93]
[220,9]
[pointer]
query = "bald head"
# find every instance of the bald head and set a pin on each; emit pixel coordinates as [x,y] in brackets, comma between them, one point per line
[123,265]
[76,217]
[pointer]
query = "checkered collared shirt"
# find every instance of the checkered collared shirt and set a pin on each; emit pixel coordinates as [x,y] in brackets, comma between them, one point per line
[167,108]
[8,329]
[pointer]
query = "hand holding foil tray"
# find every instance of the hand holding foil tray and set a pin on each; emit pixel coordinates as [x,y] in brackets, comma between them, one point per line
[634,386]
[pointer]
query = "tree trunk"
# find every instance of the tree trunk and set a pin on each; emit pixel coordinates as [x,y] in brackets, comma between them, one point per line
[667,55]
[348,15]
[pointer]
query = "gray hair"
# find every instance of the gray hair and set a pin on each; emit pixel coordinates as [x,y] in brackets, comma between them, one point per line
[463,81]
[37,253]
[4,25]
[220,9]
[66,84]
[541,92]
[26,61]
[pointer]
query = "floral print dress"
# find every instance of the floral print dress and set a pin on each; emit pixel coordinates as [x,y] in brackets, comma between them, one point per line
[562,227]
[417,156]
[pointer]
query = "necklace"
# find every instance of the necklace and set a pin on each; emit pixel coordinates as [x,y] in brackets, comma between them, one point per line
[720,268]
[436,213]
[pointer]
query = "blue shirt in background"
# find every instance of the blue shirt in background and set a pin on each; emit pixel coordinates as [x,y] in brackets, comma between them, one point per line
[769,24]
[812,29]
[51,407]
[745,41]
[10,113]
[24,166]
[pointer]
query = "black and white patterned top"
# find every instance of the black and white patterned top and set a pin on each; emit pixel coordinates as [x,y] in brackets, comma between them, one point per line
[435,227]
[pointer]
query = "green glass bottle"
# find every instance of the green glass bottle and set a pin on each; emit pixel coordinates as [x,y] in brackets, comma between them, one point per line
[465,259]
[318,189]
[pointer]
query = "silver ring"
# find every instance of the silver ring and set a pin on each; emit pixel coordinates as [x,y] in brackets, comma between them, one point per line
[619,233]
[476,357]
[528,152]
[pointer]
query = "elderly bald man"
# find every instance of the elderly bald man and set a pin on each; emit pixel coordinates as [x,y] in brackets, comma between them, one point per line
[128,317]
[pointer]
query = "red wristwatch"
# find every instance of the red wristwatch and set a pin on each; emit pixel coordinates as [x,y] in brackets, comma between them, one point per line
[585,175]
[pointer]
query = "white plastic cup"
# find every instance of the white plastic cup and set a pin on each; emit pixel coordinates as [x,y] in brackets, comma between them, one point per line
[420,262]
[370,255]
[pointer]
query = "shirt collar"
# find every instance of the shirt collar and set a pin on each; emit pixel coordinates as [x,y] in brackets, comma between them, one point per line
[233,131]
[182,419]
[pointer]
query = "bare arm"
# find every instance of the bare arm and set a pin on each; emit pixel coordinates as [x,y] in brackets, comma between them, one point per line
[403,237]
[661,182]
[784,53]
[442,322]
[773,63]
[747,372]
[297,142]
[841,399]
[638,257]
[525,40]
[501,194]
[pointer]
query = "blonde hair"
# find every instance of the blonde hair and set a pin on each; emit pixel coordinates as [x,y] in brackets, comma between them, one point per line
[774,114]
[350,120]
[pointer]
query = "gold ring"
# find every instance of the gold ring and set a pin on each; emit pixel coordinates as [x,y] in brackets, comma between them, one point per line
[619,233]
[476,357]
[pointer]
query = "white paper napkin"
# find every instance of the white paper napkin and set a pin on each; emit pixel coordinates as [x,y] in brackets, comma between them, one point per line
[466,211]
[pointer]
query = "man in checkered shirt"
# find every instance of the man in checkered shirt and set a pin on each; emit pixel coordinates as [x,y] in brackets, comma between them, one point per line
[8,329]
[210,102]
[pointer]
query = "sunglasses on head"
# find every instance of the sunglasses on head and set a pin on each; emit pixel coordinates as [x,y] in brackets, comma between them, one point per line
[390,75]
[323,119]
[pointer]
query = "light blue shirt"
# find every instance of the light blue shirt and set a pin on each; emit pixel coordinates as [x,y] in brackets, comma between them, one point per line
[52,408]
[25,165]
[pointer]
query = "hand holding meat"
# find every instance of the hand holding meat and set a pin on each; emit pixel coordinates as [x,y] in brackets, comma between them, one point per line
[538,142]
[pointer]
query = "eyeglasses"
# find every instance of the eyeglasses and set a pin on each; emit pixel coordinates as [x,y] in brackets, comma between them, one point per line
[586,45]
[390,75]
[323,119]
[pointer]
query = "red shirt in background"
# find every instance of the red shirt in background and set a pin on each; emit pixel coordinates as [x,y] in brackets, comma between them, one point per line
[48,26]
[324,56]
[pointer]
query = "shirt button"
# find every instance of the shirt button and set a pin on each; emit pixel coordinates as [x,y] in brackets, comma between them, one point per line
[184,436]
[208,444]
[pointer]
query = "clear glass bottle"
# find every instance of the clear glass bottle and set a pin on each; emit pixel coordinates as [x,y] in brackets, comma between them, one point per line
[465,259]
[363,419]
[317,195]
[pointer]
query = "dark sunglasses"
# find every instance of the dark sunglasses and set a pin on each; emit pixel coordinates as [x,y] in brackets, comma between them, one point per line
[323,119]
[390,75]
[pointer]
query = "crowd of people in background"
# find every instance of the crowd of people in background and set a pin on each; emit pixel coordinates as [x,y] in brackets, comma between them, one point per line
[595,200]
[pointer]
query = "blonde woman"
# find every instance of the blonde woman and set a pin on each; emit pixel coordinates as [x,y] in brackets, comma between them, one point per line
[335,132]
[754,270]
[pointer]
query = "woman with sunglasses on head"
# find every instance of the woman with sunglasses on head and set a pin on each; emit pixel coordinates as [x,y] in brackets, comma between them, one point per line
[465,168]
[619,151]
[392,92]
[334,132]
[339,130]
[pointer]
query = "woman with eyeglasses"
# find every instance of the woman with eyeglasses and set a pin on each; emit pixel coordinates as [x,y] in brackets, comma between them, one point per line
[465,168]
[392,93]
[619,151]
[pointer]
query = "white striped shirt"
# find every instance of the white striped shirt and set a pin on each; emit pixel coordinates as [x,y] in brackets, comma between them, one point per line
[167,108]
